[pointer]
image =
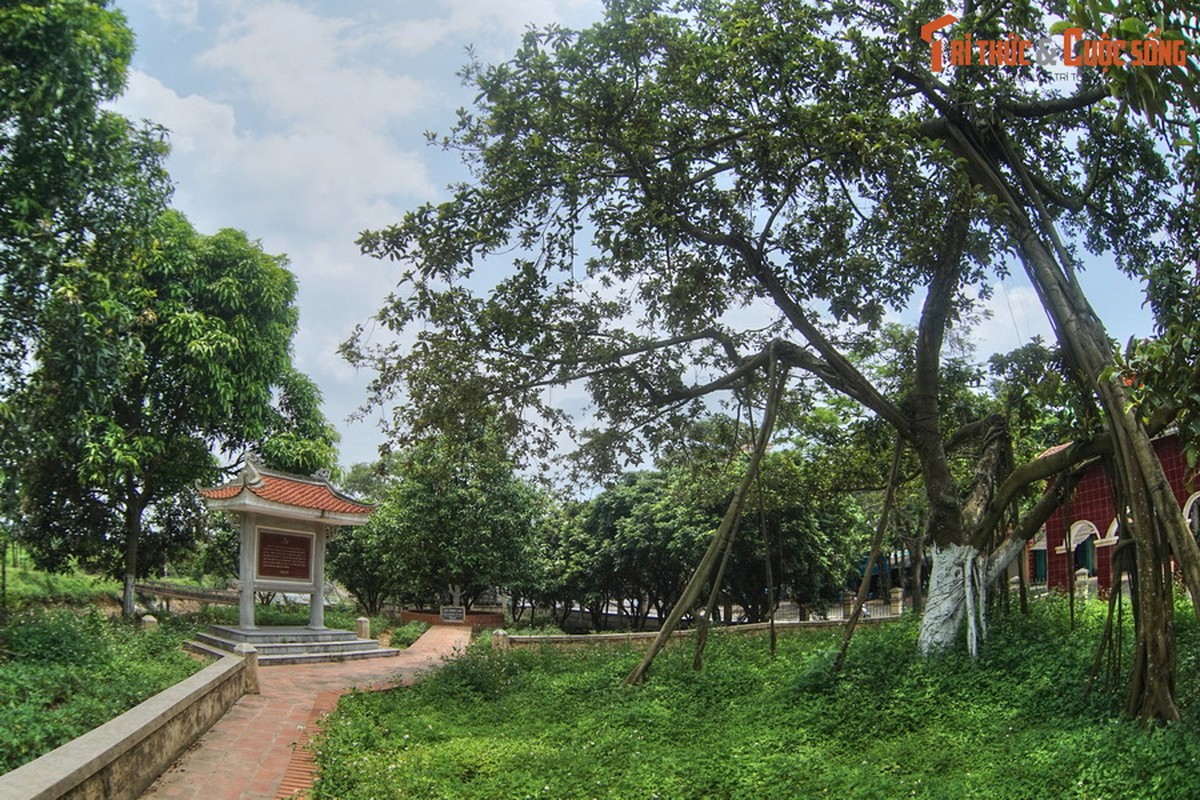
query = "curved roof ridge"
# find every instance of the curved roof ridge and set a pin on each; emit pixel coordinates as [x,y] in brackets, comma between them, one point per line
[289,489]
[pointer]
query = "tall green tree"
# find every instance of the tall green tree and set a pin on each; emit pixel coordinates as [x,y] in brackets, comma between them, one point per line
[148,359]
[455,522]
[69,170]
[797,169]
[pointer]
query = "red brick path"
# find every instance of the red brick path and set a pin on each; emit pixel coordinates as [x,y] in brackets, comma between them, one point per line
[250,750]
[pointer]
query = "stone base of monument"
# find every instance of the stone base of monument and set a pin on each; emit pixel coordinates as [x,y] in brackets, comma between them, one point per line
[289,645]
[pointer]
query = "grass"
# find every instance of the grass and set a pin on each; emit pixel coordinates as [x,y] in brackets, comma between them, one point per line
[63,673]
[1018,722]
[31,588]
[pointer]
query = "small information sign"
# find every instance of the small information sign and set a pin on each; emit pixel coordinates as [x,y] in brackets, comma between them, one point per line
[454,614]
[284,555]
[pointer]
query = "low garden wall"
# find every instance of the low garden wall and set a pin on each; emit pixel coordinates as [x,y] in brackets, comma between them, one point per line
[476,619]
[122,757]
[503,640]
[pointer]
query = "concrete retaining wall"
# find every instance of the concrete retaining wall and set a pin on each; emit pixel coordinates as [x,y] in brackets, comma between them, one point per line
[121,758]
[504,640]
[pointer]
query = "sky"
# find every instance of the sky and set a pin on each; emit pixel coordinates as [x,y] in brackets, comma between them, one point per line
[303,123]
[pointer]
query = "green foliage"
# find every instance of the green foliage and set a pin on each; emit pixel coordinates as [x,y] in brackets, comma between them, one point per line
[298,438]
[455,521]
[371,482]
[69,171]
[151,355]
[639,540]
[29,587]
[1017,722]
[62,674]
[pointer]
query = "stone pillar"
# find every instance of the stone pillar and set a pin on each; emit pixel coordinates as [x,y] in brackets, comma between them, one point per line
[246,572]
[362,628]
[250,677]
[316,600]
[1081,582]
[500,641]
[897,597]
[150,622]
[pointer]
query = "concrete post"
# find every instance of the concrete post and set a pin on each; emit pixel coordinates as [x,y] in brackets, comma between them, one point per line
[316,600]
[897,597]
[362,628]
[246,573]
[500,641]
[250,654]
[150,622]
[1081,582]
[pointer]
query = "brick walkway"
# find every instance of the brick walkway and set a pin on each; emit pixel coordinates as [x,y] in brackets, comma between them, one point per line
[250,750]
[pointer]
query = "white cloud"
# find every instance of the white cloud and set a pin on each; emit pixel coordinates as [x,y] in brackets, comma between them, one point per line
[180,12]
[303,69]
[489,25]
[196,123]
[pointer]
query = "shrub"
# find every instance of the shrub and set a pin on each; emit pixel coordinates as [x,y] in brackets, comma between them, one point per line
[63,674]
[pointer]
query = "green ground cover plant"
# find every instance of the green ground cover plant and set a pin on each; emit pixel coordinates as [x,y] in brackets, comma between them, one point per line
[63,673]
[29,588]
[1018,722]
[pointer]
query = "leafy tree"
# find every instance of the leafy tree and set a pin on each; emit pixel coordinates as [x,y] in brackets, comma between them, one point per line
[798,166]
[373,481]
[355,557]
[298,438]
[456,522]
[69,171]
[148,358]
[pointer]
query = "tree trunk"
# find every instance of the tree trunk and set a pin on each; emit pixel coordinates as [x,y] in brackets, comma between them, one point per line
[918,574]
[133,535]
[4,582]
[1154,518]
[691,592]
[945,606]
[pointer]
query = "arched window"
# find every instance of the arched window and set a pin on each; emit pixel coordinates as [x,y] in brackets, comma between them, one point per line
[1083,544]
[1191,510]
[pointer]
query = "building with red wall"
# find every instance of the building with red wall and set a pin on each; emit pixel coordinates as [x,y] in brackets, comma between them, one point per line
[1082,532]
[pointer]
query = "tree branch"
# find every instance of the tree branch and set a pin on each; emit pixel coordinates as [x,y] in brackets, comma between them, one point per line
[1057,105]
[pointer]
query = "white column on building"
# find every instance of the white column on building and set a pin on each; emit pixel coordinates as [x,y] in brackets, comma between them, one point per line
[316,602]
[246,572]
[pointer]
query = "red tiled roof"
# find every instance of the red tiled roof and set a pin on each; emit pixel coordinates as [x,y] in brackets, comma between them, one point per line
[290,490]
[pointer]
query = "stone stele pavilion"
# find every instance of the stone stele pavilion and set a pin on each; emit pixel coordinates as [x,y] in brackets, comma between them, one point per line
[285,521]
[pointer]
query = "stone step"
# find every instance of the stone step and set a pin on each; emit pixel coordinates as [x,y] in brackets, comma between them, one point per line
[280,634]
[289,645]
[276,659]
[285,647]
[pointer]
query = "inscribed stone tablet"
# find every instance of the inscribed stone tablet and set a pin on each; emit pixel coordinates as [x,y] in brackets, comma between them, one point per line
[284,555]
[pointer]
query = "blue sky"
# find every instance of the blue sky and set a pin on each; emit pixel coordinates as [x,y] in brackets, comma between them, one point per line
[303,124]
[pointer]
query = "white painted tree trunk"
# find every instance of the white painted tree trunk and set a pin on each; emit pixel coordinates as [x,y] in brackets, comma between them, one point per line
[954,574]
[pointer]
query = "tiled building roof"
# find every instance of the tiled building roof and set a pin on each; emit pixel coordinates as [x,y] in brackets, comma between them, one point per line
[291,490]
